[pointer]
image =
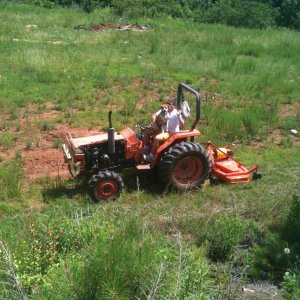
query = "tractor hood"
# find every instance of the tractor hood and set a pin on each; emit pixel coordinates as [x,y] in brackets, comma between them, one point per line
[92,139]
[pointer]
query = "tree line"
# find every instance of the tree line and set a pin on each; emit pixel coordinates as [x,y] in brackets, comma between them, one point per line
[239,13]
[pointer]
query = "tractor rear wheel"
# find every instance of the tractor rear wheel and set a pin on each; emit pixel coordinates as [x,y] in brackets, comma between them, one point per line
[185,166]
[106,185]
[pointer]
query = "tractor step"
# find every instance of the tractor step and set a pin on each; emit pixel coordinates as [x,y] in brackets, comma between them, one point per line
[143,167]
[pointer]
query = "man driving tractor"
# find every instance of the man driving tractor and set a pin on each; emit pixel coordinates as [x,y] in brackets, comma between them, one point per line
[164,122]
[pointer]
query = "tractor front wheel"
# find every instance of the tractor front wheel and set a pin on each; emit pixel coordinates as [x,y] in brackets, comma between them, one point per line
[185,166]
[106,185]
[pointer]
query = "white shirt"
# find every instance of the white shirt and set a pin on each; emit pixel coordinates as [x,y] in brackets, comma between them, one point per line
[172,124]
[173,121]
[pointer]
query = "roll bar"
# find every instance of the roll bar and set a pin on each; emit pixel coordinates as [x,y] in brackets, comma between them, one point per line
[180,99]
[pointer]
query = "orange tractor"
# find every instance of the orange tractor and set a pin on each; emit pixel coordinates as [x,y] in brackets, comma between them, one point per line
[181,162]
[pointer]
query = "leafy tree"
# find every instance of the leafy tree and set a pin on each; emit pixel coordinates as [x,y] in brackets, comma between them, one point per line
[251,14]
[248,13]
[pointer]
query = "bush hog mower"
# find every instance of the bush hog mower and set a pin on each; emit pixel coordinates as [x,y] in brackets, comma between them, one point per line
[180,161]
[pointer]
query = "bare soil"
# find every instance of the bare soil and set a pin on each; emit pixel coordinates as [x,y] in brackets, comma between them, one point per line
[102,27]
[289,109]
[41,149]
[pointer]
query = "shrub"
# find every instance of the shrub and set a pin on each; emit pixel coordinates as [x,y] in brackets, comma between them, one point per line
[278,250]
[289,13]
[291,285]
[291,225]
[269,260]
[87,257]
[251,14]
[223,233]
[152,8]
[221,12]
[42,243]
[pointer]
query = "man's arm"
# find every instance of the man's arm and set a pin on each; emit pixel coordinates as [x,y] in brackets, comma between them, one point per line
[181,120]
[154,118]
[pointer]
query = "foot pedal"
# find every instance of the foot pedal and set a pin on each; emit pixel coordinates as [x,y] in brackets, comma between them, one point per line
[143,167]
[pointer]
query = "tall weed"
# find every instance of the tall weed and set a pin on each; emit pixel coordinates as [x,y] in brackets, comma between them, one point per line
[11,174]
[245,65]
[228,123]
[250,49]
[7,140]
[252,120]
[10,287]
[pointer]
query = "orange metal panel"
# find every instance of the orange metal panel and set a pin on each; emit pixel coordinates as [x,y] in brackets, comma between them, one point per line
[132,143]
[182,135]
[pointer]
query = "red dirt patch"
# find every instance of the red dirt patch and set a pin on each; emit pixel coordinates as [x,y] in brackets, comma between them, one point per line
[46,160]
[289,110]
[275,136]
[102,27]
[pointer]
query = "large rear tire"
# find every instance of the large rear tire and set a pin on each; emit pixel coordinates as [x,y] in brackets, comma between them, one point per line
[185,166]
[106,185]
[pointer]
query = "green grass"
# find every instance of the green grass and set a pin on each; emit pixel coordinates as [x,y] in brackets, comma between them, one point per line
[87,60]
[11,180]
[7,140]
[64,239]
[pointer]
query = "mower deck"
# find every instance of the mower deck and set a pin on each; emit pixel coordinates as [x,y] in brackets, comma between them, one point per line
[226,168]
[231,171]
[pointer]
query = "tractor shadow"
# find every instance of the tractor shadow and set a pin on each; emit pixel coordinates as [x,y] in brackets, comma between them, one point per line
[59,188]
[147,181]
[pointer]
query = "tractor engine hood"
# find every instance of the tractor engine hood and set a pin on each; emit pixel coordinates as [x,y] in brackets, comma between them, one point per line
[93,139]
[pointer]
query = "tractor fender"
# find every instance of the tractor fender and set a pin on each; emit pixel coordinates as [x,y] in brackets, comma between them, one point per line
[173,139]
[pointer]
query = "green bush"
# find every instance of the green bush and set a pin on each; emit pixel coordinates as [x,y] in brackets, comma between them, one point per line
[289,13]
[291,224]
[152,8]
[87,257]
[279,249]
[42,243]
[116,268]
[291,285]
[223,234]
[251,14]
[269,259]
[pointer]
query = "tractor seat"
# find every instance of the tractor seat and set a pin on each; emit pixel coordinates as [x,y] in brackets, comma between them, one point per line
[163,136]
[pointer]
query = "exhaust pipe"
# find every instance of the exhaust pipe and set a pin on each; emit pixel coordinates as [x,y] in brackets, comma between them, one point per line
[111,136]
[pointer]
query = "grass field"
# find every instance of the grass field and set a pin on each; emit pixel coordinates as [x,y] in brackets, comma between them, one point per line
[207,244]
